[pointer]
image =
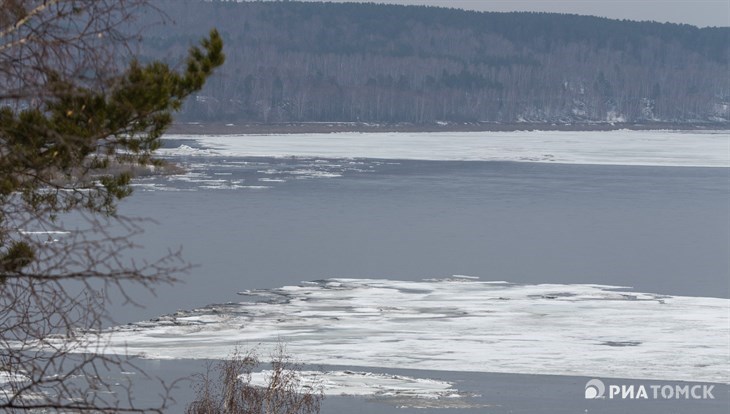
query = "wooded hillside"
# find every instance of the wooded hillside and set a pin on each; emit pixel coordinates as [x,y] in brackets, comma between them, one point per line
[294,62]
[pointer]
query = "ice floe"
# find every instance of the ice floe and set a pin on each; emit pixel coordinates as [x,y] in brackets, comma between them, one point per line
[623,147]
[400,390]
[458,324]
[41,232]
[10,383]
[185,151]
[358,383]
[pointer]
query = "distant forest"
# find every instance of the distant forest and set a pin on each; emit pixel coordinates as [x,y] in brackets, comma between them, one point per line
[298,62]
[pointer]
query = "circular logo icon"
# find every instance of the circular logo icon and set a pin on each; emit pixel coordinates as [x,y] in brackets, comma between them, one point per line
[595,389]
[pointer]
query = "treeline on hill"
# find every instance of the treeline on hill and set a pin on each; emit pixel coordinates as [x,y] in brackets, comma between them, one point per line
[296,62]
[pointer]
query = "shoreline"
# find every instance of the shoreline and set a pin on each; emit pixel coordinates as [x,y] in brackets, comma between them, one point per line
[219,128]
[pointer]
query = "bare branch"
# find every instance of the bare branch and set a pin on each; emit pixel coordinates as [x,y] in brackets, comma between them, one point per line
[78,117]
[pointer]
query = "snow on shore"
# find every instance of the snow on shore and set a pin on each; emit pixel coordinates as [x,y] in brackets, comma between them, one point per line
[623,147]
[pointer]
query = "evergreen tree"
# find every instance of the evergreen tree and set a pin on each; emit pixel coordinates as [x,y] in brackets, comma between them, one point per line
[78,115]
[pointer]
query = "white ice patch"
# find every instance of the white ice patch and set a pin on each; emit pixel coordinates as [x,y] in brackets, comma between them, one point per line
[153,187]
[256,187]
[458,324]
[11,378]
[370,384]
[658,148]
[47,236]
[309,173]
[40,232]
[185,151]
[11,383]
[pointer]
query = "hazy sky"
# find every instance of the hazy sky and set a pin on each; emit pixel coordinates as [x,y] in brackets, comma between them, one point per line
[696,12]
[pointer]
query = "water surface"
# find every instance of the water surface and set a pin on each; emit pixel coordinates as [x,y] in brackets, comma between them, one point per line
[657,229]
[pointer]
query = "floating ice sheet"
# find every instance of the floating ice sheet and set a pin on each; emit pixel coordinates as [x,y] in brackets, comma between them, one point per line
[355,383]
[42,232]
[623,147]
[458,324]
[401,390]
[7,377]
[11,382]
[204,172]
